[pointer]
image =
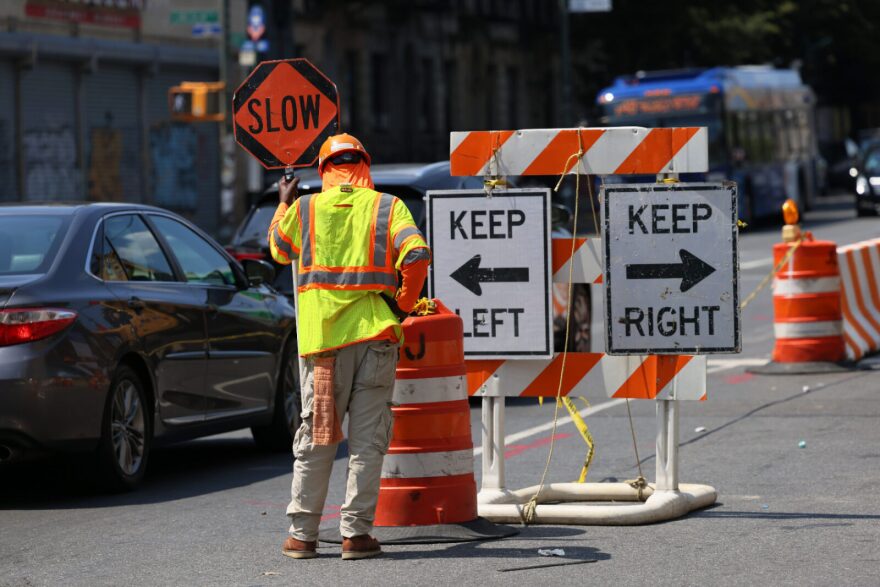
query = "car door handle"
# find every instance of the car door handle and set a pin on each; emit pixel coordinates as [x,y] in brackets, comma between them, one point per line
[136,304]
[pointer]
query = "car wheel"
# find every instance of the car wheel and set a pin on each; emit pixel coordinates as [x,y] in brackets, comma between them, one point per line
[126,433]
[278,435]
[579,331]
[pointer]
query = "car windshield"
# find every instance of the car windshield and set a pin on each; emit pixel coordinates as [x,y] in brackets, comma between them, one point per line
[253,233]
[29,243]
[872,162]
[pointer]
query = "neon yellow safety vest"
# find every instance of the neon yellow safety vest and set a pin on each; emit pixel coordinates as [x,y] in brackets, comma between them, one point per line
[351,242]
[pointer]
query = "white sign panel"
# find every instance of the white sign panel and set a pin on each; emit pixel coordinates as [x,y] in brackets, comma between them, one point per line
[671,271]
[589,5]
[491,265]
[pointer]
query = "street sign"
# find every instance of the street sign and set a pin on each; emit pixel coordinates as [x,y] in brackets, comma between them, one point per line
[492,267]
[671,271]
[191,17]
[589,5]
[284,111]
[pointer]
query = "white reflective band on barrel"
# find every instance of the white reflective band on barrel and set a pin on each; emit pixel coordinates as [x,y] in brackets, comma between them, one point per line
[434,389]
[428,464]
[787,287]
[807,329]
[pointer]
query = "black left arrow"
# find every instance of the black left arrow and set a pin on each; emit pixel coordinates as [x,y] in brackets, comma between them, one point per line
[692,270]
[471,275]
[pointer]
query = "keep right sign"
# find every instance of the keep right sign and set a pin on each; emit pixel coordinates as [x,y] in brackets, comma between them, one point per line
[671,269]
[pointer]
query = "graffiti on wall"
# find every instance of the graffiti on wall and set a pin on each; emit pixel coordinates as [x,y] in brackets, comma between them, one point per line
[173,151]
[50,164]
[105,163]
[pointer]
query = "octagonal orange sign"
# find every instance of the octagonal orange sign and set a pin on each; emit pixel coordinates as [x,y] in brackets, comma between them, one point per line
[284,111]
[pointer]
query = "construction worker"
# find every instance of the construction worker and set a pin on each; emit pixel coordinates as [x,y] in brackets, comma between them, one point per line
[350,242]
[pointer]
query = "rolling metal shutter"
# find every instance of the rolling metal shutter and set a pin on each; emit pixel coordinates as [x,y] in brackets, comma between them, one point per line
[8,162]
[184,156]
[49,138]
[112,135]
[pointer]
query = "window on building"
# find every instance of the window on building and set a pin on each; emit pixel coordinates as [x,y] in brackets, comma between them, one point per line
[379,91]
[428,91]
[351,87]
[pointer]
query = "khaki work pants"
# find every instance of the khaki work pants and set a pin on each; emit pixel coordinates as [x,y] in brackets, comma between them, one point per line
[363,385]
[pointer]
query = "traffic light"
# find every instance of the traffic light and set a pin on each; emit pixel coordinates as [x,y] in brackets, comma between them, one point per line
[196,101]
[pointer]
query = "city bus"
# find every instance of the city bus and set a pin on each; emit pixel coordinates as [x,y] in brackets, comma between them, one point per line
[760,120]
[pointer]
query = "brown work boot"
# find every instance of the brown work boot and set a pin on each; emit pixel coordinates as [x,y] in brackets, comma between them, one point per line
[364,546]
[299,549]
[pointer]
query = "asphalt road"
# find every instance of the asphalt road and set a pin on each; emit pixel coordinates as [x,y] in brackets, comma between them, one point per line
[212,510]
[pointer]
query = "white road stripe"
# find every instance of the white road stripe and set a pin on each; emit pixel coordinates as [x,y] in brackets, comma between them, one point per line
[718,365]
[549,425]
[754,264]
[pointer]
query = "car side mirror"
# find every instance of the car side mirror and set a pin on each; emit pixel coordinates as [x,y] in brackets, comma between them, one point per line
[258,271]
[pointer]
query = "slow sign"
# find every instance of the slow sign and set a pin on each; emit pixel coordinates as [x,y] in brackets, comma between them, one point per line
[284,111]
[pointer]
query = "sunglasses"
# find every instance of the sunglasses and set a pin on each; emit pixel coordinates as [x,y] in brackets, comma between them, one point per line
[346,158]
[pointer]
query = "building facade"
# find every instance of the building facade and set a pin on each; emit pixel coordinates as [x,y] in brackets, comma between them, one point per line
[84,111]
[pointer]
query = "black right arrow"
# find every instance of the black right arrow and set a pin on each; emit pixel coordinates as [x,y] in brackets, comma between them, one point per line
[692,270]
[470,275]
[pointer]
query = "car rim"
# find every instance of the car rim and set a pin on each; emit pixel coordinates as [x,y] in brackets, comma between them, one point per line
[291,389]
[127,428]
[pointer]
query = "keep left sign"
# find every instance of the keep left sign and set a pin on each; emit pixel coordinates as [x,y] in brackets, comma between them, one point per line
[491,265]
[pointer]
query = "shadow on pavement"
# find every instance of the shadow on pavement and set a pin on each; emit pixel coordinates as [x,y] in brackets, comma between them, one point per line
[177,471]
[494,548]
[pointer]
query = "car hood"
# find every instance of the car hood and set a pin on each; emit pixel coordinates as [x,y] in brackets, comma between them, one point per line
[9,283]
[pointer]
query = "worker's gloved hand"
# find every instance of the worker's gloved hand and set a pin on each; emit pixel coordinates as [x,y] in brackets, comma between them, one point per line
[392,304]
[288,191]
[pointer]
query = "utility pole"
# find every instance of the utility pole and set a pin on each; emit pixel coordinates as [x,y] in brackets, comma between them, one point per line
[565,67]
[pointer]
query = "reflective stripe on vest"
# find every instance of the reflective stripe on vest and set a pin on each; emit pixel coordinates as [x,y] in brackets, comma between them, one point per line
[380,279]
[306,235]
[380,232]
[281,244]
[403,234]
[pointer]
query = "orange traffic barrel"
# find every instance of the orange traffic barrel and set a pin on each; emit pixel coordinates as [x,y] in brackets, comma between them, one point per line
[807,318]
[427,492]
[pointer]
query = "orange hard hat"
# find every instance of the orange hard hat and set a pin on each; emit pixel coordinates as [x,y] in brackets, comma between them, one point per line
[338,144]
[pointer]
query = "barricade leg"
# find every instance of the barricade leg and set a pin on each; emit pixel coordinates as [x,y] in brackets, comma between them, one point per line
[493,486]
[667,445]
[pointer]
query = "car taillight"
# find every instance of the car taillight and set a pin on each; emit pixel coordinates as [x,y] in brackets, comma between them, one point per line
[28,325]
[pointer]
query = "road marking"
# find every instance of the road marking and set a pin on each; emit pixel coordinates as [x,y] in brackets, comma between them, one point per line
[718,365]
[549,425]
[755,263]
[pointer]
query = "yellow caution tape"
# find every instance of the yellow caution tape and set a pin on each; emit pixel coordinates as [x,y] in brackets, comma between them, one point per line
[585,433]
[424,307]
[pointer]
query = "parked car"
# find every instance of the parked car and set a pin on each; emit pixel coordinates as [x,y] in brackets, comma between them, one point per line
[121,325]
[410,182]
[868,183]
[843,159]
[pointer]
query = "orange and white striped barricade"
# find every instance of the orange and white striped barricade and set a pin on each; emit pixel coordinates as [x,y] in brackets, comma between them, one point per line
[666,379]
[427,491]
[859,265]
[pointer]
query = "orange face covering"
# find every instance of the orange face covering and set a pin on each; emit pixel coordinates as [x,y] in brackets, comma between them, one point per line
[357,174]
